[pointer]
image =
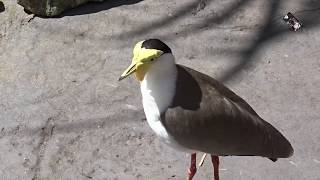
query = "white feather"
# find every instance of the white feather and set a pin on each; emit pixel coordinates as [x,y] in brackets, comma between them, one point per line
[158,90]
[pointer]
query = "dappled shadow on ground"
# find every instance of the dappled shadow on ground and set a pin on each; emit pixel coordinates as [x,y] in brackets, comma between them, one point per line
[185,11]
[273,27]
[271,30]
[268,30]
[94,7]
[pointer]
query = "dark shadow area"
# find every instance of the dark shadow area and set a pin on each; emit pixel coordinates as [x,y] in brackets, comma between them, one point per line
[180,13]
[187,86]
[268,30]
[94,7]
[27,11]
[214,20]
[188,10]
[2,8]
[271,28]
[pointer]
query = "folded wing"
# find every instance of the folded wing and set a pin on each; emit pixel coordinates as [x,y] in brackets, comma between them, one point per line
[207,116]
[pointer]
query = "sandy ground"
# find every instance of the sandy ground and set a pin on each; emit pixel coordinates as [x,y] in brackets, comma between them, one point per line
[64,115]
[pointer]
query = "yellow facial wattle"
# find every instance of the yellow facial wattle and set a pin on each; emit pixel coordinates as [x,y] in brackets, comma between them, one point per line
[141,61]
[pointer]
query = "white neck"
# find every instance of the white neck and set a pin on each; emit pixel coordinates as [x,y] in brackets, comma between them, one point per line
[158,89]
[158,84]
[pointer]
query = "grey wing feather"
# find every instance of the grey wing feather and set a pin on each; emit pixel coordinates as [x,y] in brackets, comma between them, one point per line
[207,116]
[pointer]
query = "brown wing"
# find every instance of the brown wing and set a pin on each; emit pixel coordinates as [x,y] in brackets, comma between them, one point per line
[207,116]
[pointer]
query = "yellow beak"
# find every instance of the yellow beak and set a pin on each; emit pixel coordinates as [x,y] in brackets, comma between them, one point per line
[131,69]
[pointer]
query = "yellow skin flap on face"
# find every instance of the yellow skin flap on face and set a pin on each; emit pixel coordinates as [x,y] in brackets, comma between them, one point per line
[142,59]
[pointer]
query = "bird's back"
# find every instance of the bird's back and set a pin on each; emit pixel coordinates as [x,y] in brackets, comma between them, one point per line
[207,116]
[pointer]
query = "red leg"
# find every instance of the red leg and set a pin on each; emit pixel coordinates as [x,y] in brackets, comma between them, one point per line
[215,162]
[193,166]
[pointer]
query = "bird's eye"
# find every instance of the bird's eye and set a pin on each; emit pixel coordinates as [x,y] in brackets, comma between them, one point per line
[151,59]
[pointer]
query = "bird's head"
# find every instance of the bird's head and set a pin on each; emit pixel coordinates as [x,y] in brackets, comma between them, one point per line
[145,53]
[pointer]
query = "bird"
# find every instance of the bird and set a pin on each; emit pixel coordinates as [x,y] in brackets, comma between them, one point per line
[193,112]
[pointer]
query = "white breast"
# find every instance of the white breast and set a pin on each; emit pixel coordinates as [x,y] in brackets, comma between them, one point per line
[158,89]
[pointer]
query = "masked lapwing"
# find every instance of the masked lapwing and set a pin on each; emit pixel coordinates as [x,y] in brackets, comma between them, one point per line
[193,112]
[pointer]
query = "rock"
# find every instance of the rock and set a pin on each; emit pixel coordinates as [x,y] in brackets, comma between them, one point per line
[50,8]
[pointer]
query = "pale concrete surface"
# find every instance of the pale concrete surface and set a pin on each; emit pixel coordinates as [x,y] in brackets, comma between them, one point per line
[64,115]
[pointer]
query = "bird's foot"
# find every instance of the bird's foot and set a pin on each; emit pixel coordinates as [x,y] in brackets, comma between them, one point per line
[193,166]
[191,172]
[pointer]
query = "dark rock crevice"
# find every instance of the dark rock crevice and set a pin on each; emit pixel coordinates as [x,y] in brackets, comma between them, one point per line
[50,8]
[46,133]
[2,7]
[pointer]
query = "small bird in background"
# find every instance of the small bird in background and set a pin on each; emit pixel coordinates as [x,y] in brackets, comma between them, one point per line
[193,112]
